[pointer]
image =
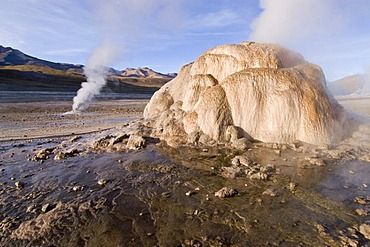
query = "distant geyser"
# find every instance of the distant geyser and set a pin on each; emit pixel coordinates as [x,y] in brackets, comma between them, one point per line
[262,91]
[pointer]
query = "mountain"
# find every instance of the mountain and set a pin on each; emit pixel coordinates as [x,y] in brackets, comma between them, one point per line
[19,71]
[354,84]
[145,73]
[13,57]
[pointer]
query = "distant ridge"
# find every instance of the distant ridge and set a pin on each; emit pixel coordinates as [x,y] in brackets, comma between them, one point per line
[22,72]
[13,57]
[145,73]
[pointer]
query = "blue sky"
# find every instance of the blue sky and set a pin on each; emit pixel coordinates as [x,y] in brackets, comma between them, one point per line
[166,34]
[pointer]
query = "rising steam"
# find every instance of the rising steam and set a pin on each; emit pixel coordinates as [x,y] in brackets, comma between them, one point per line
[115,19]
[292,22]
[96,72]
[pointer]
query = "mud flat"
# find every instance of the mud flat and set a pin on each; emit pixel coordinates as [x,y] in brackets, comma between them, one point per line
[119,187]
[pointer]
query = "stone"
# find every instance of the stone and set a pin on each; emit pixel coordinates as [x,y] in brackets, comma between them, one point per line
[254,91]
[316,161]
[242,160]
[135,142]
[362,212]
[365,230]
[45,208]
[19,185]
[43,154]
[69,153]
[226,192]
[74,138]
[102,182]
[31,209]
[77,188]
[241,144]
[360,200]
[231,172]
[118,139]
[292,187]
[270,192]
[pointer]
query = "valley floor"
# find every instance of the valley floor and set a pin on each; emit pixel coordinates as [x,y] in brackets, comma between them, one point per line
[69,180]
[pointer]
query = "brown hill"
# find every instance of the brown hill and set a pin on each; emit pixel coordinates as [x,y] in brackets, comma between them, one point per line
[12,57]
[353,84]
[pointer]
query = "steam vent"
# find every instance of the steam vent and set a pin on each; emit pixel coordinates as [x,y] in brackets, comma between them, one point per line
[235,93]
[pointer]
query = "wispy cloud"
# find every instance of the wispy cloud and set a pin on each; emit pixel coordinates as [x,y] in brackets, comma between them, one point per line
[219,19]
[67,52]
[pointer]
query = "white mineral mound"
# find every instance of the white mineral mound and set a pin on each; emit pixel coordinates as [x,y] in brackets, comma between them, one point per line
[263,91]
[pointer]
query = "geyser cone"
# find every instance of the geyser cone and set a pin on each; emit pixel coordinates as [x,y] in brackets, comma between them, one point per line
[263,91]
[73,112]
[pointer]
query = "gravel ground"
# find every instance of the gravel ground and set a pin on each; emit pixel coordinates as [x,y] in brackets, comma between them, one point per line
[47,119]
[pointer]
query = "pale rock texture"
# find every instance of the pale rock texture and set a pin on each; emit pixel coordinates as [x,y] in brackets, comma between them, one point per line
[234,93]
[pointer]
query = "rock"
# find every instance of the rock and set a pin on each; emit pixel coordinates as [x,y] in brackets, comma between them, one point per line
[258,172]
[19,185]
[102,143]
[32,209]
[315,161]
[46,208]
[69,153]
[242,160]
[231,172]
[270,192]
[204,139]
[135,142]
[77,188]
[241,144]
[102,182]
[43,154]
[232,133]
[226,192]
[118,139]
[322,230]
[259,176]
[365,230]
[193,137]
[360,200]
[189,193]
[269,168]
[362,212]
[240,165]
[74,138]
[292,187]
[249,90]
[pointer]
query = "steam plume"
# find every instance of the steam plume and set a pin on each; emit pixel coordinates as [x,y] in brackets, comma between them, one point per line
[116,18]
[96,72]
[291,22]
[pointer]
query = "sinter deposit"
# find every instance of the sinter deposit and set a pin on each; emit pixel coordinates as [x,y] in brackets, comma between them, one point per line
[233,93]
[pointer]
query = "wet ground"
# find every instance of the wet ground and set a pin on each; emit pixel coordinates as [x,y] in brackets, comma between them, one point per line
[102,194]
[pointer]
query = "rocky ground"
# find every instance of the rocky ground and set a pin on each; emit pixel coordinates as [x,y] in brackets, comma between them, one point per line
[116,186]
